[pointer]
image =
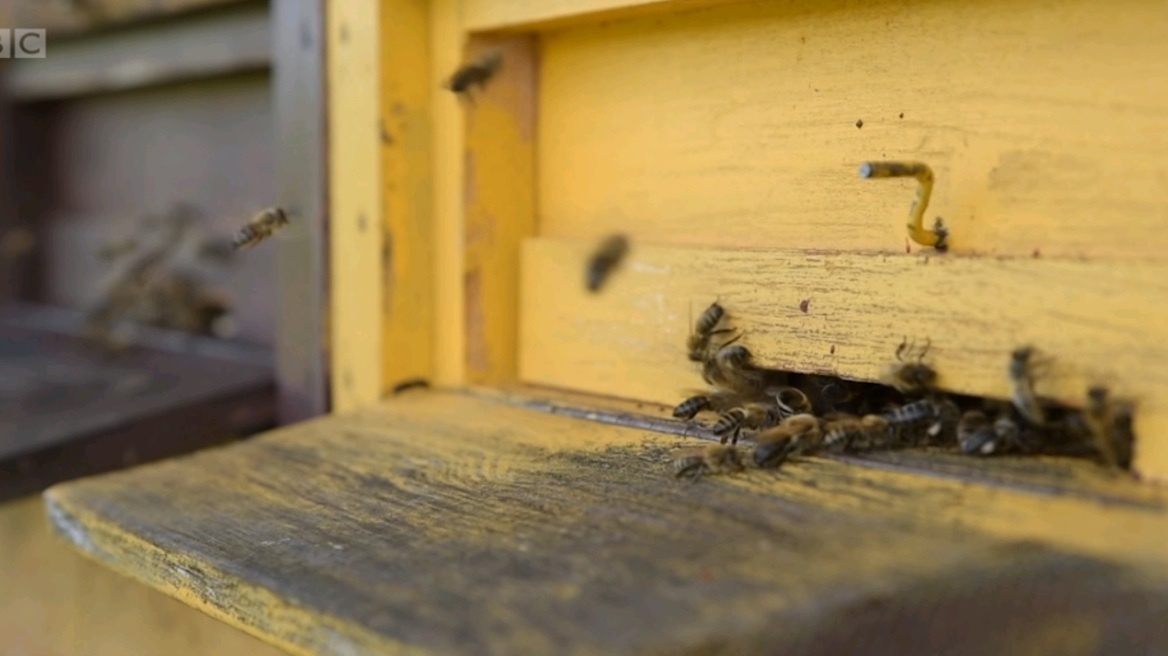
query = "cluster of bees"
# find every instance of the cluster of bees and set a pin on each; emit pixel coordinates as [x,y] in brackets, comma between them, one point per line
[789,414]
[157,287]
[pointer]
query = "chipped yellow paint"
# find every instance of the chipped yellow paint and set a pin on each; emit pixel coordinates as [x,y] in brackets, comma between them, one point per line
[629,341]
[408,262]
[500,207]
[356,226]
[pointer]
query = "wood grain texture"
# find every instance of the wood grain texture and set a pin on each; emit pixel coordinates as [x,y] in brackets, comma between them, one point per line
[1096,322]
[356,226]
[79,17]
[56,602]
[407,249]
[494,534]
[447,50]
[737,125]
[500,207]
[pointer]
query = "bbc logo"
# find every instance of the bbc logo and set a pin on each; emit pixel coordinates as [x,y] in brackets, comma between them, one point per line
[22,43]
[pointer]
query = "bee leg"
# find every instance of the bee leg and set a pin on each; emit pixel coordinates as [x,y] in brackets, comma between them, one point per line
[737,433]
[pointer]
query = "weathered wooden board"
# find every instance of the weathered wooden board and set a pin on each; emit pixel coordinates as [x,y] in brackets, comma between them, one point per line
[738,125]
[68,410]
[68,18]
[443,523]
[1096,322]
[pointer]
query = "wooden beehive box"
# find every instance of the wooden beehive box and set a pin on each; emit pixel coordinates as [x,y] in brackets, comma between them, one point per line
[725,139]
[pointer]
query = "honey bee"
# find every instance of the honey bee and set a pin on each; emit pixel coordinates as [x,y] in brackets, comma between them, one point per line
[606,258]
[911,413]
[796,434]
[751,415]
[1022,379]
[732,368]
[260,227]
[475,73]
[1110,427]
[847,432]
[713,459]
[946,417]
[704,330]
[911,378]
[975,434]
[717,400]
[791,400]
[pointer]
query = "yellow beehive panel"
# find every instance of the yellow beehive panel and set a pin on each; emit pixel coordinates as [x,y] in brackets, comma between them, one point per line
[739,125]
[845,314]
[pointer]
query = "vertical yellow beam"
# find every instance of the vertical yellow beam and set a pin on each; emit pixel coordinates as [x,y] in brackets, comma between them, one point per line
[355,222]
[407,250]
[449,317]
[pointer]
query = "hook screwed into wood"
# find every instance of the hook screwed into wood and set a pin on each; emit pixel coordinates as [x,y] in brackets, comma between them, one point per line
[938,236]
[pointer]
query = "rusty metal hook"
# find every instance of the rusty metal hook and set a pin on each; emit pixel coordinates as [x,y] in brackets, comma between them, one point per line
[938,236]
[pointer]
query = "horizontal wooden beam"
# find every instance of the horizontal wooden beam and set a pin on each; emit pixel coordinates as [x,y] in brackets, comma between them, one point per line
[74,18]
[523,15]
[844,314]
[518,531]
[207,44]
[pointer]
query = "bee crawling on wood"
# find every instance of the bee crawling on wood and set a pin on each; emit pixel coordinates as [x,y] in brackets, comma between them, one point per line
[475,73]
[749,416]
[717,401]
[260,227]
[844,432]
[713,459]
[912,378]
[1021,373]
[606,258]
[796,434]
[790,400]
[704,329]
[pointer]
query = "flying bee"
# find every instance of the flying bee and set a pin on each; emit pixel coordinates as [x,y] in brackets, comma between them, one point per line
[913,378]
[260,227]
[475,73]
[1110,427]
[751,415]
[718,400]
[1021,373]
[796,434]
[848,432]
[713,459]
[606,258]
[704,330]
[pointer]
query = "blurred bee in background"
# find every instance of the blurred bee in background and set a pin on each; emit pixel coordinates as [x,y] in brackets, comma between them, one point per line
[117,248]
[606,259]
[475,73]
[1109,423]
[911,377]
[713,459]
[260,227]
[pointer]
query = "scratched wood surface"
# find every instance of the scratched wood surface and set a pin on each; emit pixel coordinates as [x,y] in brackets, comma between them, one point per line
[1095,324]
[736,125]
[444,523]
[55,602]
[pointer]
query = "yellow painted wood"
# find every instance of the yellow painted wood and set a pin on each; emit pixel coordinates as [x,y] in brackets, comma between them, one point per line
[737,125]
[407,248]
[500,207]
[513,15]
[351,535]
[52,601]
[356,227]
[1097,322]
[446,38]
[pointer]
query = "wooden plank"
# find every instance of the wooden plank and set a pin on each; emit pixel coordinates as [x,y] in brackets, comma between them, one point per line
[737,126]
[67,410]
[72,18]
[56,602]
[517,15]
[510,530]
[500,207]
[407,251]
[447,41]
[356,225]
[1097,322]
[231,40]
[302,189]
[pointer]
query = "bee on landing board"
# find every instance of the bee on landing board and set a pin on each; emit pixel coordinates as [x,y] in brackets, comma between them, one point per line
[718,401]
[748,416]
[713,459]
[260,227]
[606,259]
[912,377]
[475,73]
[796,434]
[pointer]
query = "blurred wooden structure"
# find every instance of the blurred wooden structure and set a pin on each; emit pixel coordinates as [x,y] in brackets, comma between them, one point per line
[493,513]
[139,106]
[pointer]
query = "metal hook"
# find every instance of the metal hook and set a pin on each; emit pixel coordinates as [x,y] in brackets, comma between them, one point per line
[938,236]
